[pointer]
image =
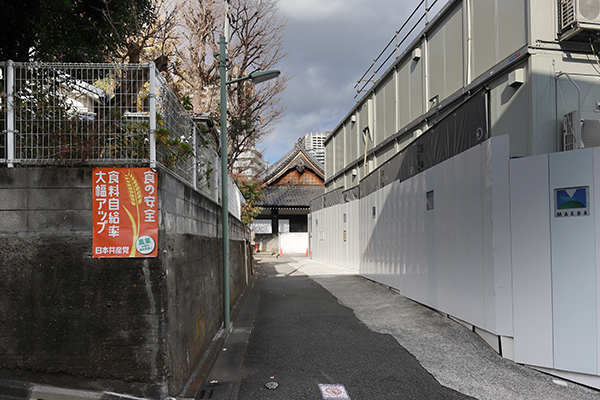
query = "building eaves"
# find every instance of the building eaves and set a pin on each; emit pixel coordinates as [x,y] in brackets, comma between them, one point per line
[290,196]
[284,163]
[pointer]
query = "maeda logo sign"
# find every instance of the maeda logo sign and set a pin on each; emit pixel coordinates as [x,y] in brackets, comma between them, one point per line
[571,202]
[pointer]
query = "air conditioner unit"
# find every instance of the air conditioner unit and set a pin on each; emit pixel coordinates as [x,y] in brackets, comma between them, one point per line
[581,131]
[576,17]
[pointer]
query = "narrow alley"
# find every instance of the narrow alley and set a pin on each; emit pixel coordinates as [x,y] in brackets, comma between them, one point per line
[308,330]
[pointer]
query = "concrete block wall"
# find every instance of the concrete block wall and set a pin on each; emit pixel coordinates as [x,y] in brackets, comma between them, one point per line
[41,200]
[268,242]
[136,326]
[191,250]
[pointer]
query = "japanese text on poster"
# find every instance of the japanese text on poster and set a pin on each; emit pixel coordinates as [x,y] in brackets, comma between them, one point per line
[125,212]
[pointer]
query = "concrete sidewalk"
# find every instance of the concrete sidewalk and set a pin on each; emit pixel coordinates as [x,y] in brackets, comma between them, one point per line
[308,327]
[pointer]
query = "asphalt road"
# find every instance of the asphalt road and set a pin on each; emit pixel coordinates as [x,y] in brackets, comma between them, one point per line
[302,337]
[322,332]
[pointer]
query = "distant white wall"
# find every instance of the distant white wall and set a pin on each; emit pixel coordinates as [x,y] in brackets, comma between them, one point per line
[264,226]
[293,243]
[335,235]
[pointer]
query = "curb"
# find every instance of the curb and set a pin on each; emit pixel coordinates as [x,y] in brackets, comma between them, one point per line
[13,390]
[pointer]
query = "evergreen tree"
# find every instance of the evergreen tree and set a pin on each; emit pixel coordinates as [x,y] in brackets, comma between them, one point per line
[70,30]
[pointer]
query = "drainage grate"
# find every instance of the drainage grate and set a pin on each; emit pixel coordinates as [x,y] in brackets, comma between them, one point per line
[215,391]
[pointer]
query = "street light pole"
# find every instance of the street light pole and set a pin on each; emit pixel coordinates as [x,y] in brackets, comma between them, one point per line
[224,179]
[256,77]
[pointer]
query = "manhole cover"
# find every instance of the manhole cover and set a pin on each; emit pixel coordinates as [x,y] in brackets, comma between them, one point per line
[271,385]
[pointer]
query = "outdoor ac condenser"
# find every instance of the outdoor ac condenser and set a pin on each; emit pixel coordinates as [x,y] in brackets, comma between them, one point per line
[576,17]
[581,131]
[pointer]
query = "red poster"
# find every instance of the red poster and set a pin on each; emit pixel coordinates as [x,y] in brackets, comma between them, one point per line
[125,212]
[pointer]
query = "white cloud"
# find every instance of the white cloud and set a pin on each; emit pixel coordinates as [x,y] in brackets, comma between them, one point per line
[330,45]
[311,9]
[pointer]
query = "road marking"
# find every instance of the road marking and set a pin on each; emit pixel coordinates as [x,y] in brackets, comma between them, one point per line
[333,391]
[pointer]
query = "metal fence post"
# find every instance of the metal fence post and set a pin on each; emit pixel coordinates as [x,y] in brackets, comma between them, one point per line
[152,103]
[10,114]
[195,163]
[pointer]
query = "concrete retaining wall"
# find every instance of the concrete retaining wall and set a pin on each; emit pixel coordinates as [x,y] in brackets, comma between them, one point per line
[137,326]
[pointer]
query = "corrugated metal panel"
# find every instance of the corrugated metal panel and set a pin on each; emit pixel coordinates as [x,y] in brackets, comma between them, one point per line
[574,284]
[484,40]
[390,107]
[351,178]
[512,23]
[496,238]
[446,56]
[351,132]
[333,198]
[379,98]
[336,237]
[404,98]
[385,114]
[329,152]
[364,122]
[353,235]
[518,101]
[531,261]
[436,58]
[459,131]
[339,151]
[435,256]
[454,71]
[416,89]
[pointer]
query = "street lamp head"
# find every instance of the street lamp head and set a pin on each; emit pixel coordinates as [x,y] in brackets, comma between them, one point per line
[262,76]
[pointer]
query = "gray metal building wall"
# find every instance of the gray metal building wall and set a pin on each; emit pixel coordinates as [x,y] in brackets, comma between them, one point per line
[490,252]
[469,44]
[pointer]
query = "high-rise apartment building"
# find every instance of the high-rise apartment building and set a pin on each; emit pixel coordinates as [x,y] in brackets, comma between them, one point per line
[250,163]
[314,143]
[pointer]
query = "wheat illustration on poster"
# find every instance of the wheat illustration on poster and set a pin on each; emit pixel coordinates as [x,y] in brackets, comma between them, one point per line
[135,198]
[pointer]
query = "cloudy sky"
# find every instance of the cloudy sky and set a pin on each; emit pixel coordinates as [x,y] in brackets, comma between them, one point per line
[330,43]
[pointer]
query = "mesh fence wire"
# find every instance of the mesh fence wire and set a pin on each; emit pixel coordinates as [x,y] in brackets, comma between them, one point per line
[80,113]
[99,114]
[3,127]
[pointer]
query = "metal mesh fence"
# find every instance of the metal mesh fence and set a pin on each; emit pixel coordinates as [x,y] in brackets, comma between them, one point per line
[3,138]
[174,133]
[80,113]
[181,145]
[208,170]
[100,114]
